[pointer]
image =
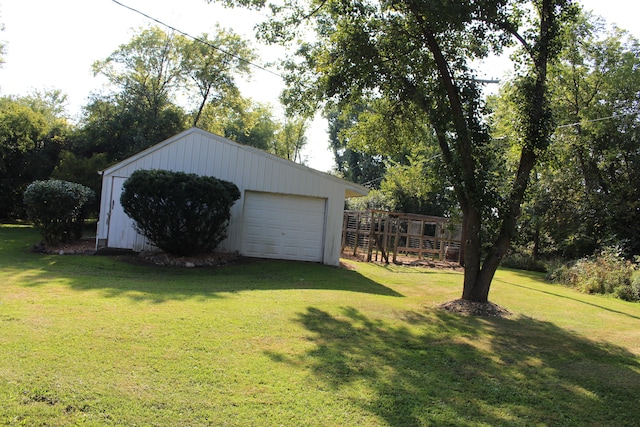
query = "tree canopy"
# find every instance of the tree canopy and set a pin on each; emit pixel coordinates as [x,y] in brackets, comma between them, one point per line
[585,194]
[32,132]
[159,83]
[212,65]
[164,82]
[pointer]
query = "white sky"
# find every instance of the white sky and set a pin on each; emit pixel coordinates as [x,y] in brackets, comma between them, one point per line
[52,44]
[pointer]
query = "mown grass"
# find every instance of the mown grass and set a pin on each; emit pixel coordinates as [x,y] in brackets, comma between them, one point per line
[98,341]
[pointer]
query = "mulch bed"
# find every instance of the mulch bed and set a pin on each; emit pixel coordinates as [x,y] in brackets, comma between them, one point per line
[80,247]
[408,262]
[88,247]
[471,308]
[218,259]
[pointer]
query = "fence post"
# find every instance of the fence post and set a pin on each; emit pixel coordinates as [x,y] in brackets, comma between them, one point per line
[355,243]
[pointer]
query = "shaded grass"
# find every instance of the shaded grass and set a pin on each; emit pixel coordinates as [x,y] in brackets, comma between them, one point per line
[97,341]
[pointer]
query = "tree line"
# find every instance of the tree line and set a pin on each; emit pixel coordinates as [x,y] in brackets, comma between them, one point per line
[159,84]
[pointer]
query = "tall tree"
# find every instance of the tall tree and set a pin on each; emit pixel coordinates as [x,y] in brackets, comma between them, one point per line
[596,92]
[212,65]
[290,139]
[52,103]
[146,75]
[418,186]
[156,69]
[255,126]
[585,195]
[421,53]
[119,126]
[242,120]
[251,123]
[146,70]
[410,173]
[353,161]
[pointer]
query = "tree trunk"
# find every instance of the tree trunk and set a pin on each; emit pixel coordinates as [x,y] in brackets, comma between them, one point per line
[476,287]
[479,273]
[472,290]
[478,291]
[535,253]
[537,136]
[205,96]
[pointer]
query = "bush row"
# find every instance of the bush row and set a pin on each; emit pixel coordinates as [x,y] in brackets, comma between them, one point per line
[523,261]
[606,273]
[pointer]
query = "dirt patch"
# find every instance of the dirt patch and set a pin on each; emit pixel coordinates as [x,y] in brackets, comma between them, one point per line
[471,308]
[85,246]
[407,261]
[347,266]
[430,263]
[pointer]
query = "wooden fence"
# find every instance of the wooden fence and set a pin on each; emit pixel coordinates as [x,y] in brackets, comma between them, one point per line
[373,234]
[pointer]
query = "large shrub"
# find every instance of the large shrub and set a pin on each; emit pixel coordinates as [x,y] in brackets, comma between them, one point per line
[57,208]
[182,214]
[605,273]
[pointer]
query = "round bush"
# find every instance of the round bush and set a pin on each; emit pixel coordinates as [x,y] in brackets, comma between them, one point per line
[57,208]
[182,214]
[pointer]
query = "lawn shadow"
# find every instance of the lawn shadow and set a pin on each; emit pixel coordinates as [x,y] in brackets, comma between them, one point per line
[559,295]
[114,276]
[437,368]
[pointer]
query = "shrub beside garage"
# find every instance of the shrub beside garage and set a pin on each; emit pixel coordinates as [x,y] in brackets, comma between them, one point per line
[181,213]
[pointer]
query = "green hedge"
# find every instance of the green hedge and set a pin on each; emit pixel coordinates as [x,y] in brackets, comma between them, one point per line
[182,214]
[605,273]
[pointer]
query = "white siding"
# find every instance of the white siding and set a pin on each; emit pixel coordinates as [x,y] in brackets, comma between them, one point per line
[121,228]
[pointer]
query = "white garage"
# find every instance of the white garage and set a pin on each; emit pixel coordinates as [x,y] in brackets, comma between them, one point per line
[286,210]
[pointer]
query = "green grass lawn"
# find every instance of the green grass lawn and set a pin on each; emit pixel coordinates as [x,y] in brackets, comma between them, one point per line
[93,340]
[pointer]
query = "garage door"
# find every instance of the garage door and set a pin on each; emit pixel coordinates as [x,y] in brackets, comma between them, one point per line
[283,227]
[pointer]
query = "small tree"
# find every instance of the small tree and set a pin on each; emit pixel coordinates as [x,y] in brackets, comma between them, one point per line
[57,208]
[182,214]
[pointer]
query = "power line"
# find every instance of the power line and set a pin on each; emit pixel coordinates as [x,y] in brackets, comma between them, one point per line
[615,116]
[199,40]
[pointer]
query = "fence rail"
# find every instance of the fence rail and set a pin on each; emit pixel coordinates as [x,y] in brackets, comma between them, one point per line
[375,234]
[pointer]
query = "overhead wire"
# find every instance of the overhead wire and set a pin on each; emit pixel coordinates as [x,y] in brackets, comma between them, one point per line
[199,40]
[614,116]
